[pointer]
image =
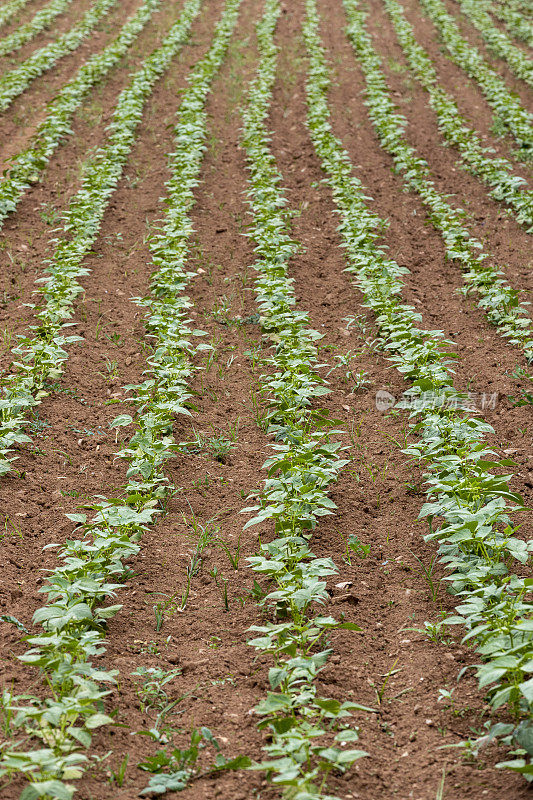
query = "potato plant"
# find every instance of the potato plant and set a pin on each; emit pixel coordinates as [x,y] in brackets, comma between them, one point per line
[323,551]
[497,298]
[25,33]
[11,8]
[303,464]
[42,353]
[498,42]
[91,566]
[514,19]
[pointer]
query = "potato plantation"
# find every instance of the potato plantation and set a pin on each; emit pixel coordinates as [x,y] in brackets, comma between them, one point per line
[266,388]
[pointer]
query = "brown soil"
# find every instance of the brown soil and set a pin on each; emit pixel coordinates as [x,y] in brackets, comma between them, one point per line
[378,496]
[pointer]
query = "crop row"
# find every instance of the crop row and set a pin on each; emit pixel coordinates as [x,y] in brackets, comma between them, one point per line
[478,159]
[11,8]
[303,465]
[470,505]
[92,566]
[514,19]
[510,113]
[28,31]
[498,299]
[27,166]
[17,80]
[498,42]
[42,353]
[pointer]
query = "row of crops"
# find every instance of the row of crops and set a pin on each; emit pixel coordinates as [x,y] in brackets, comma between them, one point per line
[472,513]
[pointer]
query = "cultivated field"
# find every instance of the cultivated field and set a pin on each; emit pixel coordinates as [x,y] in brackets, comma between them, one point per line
[265,399]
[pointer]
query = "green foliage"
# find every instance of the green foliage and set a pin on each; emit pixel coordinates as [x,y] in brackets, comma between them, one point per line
[507,107]
[27,166]
[498,41]
[11,8]
[497,298]
[15,81]
[92,566]
[353,547]
[42,353]
[303,464]
[173,770]
[495,171]
[40,21]
[150,687]
[514,18]
[470,503]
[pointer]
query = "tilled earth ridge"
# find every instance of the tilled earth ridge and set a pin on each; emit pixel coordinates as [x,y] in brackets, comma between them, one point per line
[378,495]
[207,643]
[113,352]
[25,15]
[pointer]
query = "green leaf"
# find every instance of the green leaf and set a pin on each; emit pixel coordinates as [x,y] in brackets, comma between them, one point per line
[56,789]
[347,736]
[275,676]
[82,518]
[97,720]
[108,611]
[527,690]
[239,762]
[121,420]
[160,784]
[13,621]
